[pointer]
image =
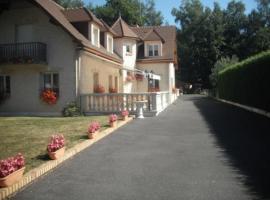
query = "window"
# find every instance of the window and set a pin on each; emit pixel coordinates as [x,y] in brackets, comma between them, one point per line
[116,83]
[128,49]
[110,82]
[51,81]
[96,80]
[4,86]
[153,50]
[110,44]
[95,35]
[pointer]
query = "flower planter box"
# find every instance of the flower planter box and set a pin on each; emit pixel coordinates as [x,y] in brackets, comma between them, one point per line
[125,118]
[113,124]
[92,135]
[57,154]
[12,178]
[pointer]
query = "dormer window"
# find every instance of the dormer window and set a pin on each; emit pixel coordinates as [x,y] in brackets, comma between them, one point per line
[110,43]
[153,50]
[95,35]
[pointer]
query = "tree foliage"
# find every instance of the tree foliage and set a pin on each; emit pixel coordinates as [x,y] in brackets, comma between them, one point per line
[208,35]
[219,66]
[70,3]
[134,12]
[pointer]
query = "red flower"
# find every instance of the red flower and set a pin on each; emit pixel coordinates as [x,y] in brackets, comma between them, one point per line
[49,96]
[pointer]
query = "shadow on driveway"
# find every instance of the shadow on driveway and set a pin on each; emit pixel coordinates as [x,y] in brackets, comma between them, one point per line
[245,139]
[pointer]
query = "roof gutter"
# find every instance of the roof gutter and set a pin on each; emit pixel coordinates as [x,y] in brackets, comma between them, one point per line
[100,55]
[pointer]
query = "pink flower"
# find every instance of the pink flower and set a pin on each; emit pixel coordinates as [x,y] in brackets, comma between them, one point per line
[11,165]
[56,142]
[125,113]
[112,118]
[93,127]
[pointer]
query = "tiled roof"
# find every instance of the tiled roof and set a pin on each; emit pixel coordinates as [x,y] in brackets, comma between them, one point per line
[108,28]
[56,12]
[82,15]
[122,29]
[153,35]
[167,33]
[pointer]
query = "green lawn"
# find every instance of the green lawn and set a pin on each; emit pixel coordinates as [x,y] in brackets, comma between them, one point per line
[30,135]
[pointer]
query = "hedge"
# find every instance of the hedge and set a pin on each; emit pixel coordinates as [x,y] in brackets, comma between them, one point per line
[247,82]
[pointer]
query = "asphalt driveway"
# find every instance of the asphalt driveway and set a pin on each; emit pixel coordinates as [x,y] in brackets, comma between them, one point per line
[197,149]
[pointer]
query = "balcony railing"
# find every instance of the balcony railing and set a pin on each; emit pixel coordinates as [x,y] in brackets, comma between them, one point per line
[23,53]
[108,103]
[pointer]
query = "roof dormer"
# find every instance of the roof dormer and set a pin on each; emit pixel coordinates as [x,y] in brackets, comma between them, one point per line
[122,29]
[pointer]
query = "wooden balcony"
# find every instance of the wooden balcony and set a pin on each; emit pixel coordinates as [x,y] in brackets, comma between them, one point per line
[23,53]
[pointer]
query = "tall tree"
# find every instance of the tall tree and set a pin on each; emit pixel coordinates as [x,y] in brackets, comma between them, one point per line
[199,39]
[234,34]
[134,12]
[130,11]
[151,15]
[70,3]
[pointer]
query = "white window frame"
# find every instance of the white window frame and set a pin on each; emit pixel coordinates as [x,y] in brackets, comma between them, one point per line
[128,53]
[152,48]
[52,84]
[95,39]
[110,43]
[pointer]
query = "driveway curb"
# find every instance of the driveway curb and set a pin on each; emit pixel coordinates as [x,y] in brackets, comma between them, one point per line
[35,173]
[248,108]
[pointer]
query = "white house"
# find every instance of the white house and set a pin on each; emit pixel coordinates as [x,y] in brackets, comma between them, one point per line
[78,57]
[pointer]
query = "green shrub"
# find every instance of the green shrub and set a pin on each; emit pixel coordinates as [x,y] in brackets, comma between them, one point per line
[247,82]
[71,110]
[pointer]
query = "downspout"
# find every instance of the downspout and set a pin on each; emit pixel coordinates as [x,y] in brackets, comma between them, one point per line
[78,79]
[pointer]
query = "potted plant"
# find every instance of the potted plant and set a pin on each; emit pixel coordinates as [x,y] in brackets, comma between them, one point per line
[11,170]
[56,147]
[154,89]
[49,96]
[99,89]
[124,114]
[92,129]
[112,90]
[113,120]
[139,77]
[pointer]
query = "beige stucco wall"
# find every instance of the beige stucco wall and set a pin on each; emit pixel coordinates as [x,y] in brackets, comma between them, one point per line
[90,65]
[165,70]
[25,84]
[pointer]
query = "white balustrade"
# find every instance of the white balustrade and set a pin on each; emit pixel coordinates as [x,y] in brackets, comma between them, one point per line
[117,102]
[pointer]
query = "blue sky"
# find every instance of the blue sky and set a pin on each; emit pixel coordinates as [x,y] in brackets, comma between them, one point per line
[165,6]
